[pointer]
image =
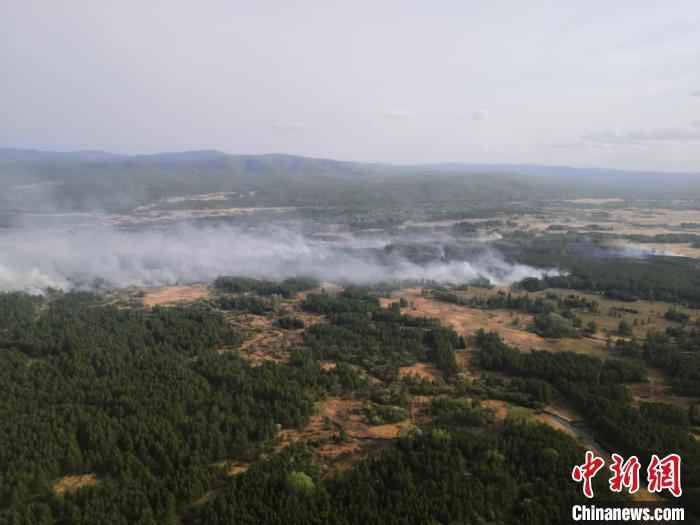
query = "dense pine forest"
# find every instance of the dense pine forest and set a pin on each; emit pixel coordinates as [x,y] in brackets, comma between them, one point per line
[587,266]
[149,403]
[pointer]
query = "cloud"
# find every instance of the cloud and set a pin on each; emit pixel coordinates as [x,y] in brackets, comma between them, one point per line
[480,114]
[398,114]
[632,137]
[288,126]
[696,123]
[695,93]
[568,145]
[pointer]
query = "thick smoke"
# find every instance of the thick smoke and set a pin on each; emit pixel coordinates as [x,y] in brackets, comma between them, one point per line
[33,260]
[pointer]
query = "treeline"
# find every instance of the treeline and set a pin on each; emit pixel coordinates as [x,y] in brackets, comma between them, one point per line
[379,340]
[494,354]
[670,279]
[246,303]
[351,301]
[552,302]
[287,288]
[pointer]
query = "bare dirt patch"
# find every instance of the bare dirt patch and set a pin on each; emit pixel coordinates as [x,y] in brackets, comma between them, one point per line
[498,407]
[233,468]
[466,321]
[422,371]
[73,483]
[265,342]
[657,390]
[273,346]
[175,294]
[464,359]
[340,448]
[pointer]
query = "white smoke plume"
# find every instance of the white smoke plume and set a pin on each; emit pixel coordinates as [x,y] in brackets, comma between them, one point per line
[32,259]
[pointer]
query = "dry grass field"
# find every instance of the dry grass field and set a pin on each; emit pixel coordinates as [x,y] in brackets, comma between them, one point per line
[72,483]
[175,294]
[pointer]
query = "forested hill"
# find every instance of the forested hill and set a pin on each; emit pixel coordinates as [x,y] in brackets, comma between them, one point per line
[89,180]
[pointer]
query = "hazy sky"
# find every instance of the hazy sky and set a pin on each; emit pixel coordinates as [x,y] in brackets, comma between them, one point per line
[558,82]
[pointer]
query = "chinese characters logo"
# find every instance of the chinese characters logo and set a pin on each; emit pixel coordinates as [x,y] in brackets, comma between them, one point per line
[662,474]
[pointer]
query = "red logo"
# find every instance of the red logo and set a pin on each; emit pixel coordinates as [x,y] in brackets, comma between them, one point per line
[665,474]
[625,474]
[662,474]
[587,472]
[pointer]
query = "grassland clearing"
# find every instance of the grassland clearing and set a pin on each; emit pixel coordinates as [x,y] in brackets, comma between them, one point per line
[72,483]
[340,435]
[175,294]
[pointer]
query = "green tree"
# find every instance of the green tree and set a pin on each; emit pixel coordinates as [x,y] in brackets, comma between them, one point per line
[300,482]
[591,327]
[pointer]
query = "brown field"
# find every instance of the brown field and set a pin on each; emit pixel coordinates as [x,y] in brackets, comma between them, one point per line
[466,321]
[73,483]
[268,342]
[623,221]
[422,371]
[662,218]
[332,415]
[498,407]
[650,315]
[175,294]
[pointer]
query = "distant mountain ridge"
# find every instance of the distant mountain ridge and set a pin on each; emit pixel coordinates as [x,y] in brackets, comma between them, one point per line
[550,170]
[98,180]
[207,156]
[31,155]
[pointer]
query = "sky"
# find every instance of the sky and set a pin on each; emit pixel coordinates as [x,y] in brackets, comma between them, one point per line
[594,83]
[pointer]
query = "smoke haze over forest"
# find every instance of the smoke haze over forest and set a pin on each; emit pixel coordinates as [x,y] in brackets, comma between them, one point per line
[33,259]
